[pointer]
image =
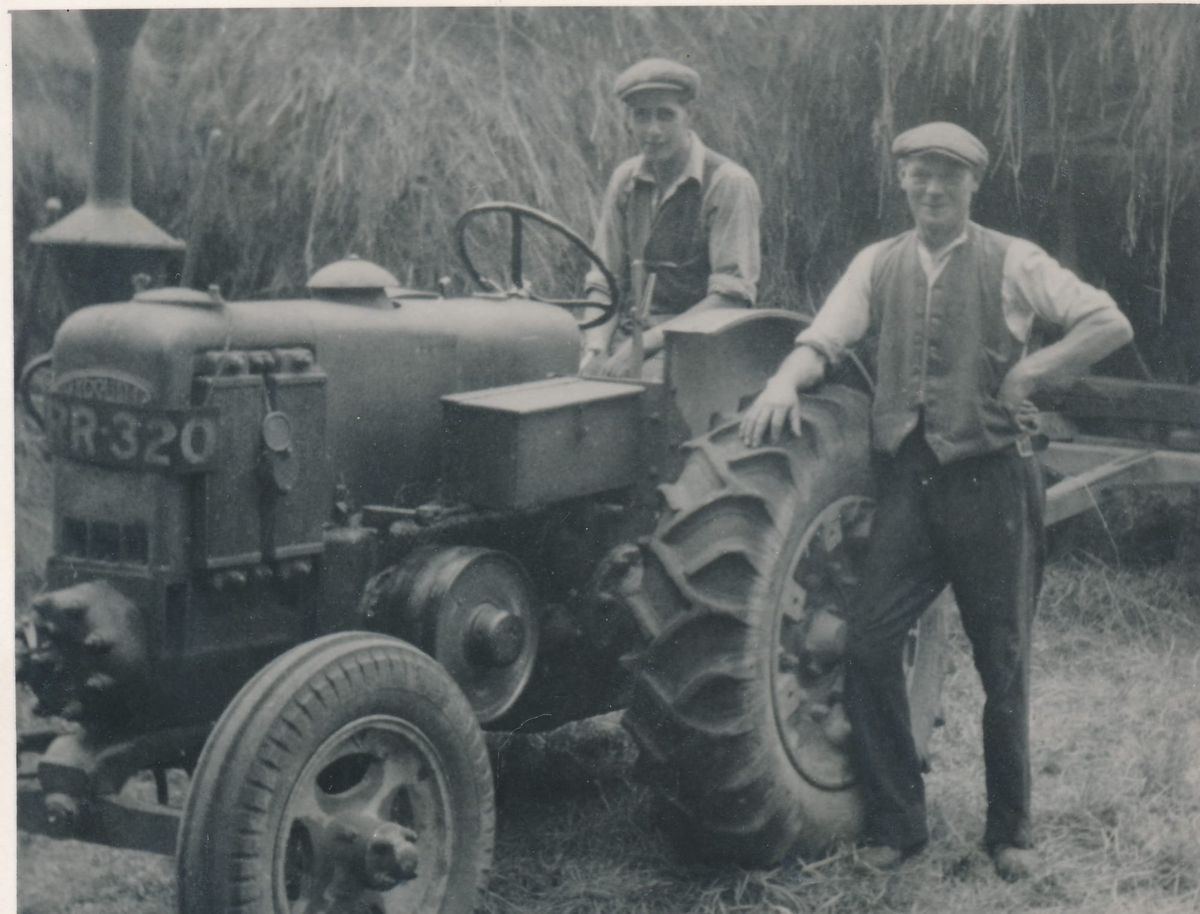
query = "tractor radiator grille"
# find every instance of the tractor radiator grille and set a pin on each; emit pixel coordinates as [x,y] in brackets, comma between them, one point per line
[105,541]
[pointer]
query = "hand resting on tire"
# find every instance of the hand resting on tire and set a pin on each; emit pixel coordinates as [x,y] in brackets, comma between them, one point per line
[778,406]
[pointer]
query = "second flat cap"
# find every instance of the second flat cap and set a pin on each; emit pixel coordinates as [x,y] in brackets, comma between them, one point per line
[945,139]
[658,73]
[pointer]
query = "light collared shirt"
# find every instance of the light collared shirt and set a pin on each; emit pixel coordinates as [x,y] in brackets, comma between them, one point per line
[730,211]
[1033,284]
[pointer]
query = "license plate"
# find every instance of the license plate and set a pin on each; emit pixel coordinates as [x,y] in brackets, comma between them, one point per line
[132,437]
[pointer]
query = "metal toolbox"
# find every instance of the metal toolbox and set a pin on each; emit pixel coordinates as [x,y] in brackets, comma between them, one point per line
[543,441]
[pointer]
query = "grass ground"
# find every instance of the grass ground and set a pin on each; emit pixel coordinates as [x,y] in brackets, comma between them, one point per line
[1116,736]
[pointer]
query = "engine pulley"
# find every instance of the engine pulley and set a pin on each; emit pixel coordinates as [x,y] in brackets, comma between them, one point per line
[469,608]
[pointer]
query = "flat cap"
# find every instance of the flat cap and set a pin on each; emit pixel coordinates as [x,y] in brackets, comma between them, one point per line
[658,73]
[944,139]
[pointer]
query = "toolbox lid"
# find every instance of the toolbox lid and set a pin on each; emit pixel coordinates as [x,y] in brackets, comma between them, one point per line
[542,396]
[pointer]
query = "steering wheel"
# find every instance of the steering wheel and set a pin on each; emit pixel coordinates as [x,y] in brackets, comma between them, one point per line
[518,213]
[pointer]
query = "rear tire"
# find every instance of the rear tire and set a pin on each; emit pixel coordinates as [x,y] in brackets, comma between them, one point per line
[349,774]
[736,704]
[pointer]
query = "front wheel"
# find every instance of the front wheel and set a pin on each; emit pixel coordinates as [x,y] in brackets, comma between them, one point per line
[737,702]
[349,775]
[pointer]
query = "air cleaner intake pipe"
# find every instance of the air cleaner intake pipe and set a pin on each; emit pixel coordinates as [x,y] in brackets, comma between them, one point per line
[114,33]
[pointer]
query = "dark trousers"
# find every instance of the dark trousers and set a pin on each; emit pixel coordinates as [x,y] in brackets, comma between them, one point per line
[977,525]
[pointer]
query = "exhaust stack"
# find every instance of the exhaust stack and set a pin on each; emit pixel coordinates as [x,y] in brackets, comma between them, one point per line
[100,246]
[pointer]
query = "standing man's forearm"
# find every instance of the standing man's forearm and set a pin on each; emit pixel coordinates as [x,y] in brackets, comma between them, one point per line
[1086,343]
[803,368]
[839,324]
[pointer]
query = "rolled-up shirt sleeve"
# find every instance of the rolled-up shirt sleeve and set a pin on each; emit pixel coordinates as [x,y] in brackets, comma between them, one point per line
[732,212]
[846,313]
[609,240]
[1036,283]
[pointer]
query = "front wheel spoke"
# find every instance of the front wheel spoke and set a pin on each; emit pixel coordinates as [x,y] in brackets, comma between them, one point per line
[310,805]
[309,867]
[396,774]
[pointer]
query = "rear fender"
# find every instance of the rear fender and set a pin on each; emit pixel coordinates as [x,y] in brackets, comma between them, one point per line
[718,359]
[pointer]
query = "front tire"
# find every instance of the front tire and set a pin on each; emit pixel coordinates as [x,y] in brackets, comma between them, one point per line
[737,697]
[350,774]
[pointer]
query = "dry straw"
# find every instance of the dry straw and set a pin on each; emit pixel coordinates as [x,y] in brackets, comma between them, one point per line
[370,130]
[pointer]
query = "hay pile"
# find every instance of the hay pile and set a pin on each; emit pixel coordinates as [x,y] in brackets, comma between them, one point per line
[369,130]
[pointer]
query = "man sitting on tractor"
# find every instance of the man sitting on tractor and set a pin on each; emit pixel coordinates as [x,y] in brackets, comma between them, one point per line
[678,226]
[948,308]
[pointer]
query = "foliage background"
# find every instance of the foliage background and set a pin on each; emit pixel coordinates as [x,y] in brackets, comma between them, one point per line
[370,130]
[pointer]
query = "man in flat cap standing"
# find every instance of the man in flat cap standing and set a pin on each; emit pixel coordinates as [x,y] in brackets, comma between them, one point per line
[679,223]
[947,307]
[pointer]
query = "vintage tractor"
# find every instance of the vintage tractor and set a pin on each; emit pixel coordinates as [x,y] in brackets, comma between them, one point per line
[354,528]
[308,550]
[305,550]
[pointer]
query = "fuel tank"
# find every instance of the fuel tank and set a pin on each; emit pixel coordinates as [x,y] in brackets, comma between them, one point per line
[381,372]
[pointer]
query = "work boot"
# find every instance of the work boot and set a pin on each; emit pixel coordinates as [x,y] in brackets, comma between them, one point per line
[881,858]
[1013,863]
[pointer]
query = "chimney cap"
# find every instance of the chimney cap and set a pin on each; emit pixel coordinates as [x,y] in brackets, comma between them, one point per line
[96,225]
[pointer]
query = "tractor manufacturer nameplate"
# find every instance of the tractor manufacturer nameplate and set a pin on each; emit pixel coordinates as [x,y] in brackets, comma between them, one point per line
[131,437]
[111,387]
